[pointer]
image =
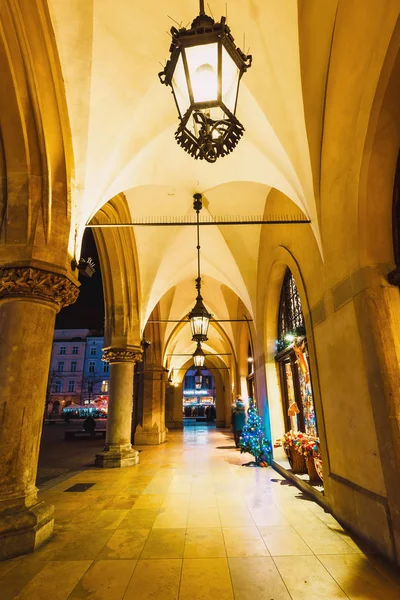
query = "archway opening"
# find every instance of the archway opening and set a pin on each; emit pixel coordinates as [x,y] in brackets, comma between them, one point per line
[199,399]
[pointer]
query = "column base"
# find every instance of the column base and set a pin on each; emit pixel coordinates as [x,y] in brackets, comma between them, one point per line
[23,530]
[149,437]
[174,424]
[116,457]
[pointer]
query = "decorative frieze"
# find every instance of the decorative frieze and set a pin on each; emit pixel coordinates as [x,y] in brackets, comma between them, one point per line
[127,354]
[30,282]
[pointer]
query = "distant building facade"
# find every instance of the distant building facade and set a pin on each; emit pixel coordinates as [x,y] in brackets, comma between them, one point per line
[77,374]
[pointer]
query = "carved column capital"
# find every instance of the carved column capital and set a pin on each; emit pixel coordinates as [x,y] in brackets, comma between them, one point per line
[30,282]
[118,355]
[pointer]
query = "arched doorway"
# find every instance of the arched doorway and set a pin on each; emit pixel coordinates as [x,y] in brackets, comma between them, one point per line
[293,362]
[198,397]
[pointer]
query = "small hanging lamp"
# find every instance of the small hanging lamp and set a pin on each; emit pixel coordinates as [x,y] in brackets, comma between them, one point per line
[199,316]
[199,356]
[198,379]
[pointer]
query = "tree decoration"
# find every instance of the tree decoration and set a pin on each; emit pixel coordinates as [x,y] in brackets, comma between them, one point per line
[253,438]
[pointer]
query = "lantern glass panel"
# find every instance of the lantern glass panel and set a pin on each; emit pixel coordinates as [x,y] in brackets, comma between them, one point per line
[230,81]
[199,325]
[179,85]
[198,360]
[202,64]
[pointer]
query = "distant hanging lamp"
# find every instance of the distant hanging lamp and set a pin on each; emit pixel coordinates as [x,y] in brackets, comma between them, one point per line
[198,379]
[199,316]
[199,356]
[204,72]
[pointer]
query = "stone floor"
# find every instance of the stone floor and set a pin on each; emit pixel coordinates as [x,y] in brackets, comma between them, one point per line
[190,522]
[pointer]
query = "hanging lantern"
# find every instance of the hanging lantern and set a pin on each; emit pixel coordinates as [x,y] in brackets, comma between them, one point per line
[199,321]
[199,356]
[204,72]
[198,379]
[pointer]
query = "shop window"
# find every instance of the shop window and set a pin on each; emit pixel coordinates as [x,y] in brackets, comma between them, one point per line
[293,362]
[250,372]
[91,366]
[62,349]
[71,386]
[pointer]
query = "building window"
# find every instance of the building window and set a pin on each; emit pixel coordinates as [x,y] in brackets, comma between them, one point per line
[62,349]
[93,351]
[60,367]
[291,319]
[104,386]
[71,385]
[58,386]
[75,349]
[293,362]
[106,367]
[73,366]
[91,366]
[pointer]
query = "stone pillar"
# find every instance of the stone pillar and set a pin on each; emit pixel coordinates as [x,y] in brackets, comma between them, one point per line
[118,451]
[152,430]
[29,301]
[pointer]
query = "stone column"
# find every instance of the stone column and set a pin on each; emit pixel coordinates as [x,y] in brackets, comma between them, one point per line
[118,451]
[152,430]
[29,301]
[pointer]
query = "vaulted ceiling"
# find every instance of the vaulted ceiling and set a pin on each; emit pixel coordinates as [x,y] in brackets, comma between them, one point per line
[123,122]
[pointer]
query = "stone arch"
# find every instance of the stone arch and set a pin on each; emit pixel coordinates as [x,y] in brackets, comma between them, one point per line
[35,204]
[280,261]
[119,265]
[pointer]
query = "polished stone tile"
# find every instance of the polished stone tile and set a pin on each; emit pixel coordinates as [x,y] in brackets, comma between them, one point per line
[358,578]
[125,544]
[104,580]
[139,519]
[244,541]
[206,579]
[207,542]
[257,579]
[284,541]
[149,501]
[56,580]
[155,580]
[164,543]
[84,547]
[206,516]
[306,578]
[323,540]
[171,518]
[235,516]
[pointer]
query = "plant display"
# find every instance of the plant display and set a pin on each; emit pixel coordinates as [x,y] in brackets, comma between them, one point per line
[253,438]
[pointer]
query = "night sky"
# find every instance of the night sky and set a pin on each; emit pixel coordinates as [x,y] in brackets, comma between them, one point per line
[88,310]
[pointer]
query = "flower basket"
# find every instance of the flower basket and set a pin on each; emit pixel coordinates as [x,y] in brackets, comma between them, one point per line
[312,471]
[296,461]
[318,467]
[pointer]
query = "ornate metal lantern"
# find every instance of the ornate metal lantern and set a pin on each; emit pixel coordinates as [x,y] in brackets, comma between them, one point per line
[198,379]
[198,356]
[204,72]
[199,316]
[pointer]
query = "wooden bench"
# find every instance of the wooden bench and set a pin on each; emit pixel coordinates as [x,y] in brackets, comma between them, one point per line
[71,434]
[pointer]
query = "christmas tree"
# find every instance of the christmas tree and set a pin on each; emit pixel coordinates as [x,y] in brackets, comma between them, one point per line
[253,439]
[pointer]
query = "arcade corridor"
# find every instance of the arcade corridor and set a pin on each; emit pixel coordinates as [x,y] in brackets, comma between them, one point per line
[190,522]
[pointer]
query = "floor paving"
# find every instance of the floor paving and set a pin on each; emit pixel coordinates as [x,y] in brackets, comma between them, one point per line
[191,523]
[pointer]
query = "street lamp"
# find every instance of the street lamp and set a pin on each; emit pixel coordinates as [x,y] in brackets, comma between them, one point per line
[198,356]
[199,316]
[204,72]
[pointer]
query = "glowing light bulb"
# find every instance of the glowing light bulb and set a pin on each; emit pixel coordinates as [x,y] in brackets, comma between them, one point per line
[204,84]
